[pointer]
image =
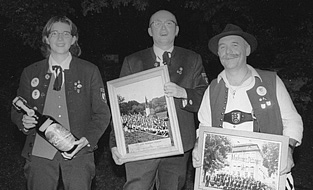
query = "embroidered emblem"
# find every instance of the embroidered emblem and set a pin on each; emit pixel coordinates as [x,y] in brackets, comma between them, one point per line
[235,117]
[205,77]
[77,86]
[103,97]
[180,70]
[47,76]
[34,82]
[261,91]
[35,94]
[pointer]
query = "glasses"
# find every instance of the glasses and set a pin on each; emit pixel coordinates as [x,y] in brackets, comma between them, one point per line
[65,34]
[168,24]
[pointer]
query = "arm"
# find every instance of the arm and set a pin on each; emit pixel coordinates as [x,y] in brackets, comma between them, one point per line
[190,97]
[292,122]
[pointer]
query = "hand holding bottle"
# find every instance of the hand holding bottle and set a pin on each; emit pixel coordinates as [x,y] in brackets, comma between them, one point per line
[29,122]
[81,143]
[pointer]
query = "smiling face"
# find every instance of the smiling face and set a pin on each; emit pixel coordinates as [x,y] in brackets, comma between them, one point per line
[60,39]
[233,51]
[163,29]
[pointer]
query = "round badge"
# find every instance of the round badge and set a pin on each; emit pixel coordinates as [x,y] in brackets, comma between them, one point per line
[47,76]
[261,90]
[35,94]
[34,82]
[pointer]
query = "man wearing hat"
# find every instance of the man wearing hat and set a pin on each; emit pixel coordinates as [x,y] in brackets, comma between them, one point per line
[244,98]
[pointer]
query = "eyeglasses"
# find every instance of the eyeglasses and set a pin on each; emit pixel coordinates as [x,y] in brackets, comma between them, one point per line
[168,24]
[65,34]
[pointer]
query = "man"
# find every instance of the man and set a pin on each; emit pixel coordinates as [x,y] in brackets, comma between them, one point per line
[188,83]
[258,97]
[77,102]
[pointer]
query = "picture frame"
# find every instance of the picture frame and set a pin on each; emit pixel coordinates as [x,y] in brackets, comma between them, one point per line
[234,158]
[144,119]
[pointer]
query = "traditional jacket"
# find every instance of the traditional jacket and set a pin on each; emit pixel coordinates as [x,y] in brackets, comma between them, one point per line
[88,112]
[186,70]
[263,100]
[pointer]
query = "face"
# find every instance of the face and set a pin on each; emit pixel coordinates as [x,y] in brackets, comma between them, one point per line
[60,39]
[163,29]
[233,51]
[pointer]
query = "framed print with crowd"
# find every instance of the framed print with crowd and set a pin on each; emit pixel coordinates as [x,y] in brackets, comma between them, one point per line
[233,159]
[144,119]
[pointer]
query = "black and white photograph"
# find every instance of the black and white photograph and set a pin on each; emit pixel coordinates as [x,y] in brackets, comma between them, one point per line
[240,160]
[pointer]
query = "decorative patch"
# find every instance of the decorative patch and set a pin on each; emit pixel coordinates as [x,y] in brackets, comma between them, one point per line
[180,70]
[261,91]
[77,86]
[35,94]
[34,82]
[103,96]
[205,77]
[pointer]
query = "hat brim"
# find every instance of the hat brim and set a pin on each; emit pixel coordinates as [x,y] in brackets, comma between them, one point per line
[251,40]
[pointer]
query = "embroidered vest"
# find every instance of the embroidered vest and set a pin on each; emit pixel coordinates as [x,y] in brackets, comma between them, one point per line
[265,105]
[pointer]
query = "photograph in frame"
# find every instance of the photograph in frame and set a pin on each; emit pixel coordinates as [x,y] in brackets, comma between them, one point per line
[234,159]
[144,119]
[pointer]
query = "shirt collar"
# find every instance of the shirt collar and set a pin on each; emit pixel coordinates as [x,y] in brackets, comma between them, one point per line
[64,64]
[222,75]
[159,52]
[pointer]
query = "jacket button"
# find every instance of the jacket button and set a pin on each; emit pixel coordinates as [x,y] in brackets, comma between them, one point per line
[31,144]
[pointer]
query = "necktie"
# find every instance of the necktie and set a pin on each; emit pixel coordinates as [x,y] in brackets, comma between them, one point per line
[166,58]
[58,80]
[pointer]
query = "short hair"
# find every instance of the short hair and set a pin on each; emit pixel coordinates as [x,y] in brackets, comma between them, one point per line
[46,49]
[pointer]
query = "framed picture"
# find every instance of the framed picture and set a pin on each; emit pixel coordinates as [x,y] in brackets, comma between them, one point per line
[144,119]
[233,159]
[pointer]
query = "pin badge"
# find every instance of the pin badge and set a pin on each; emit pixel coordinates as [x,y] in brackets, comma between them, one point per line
[261,90]
[35,94]
[77,86]
[180,70]
[34,82]
[47,76]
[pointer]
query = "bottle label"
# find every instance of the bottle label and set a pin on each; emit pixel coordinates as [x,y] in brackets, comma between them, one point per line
[45,125]
[60,137]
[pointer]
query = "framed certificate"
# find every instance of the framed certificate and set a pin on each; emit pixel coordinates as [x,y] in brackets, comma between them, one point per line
[144,119]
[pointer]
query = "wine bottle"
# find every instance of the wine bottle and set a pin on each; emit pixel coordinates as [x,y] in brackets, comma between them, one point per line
[48,128]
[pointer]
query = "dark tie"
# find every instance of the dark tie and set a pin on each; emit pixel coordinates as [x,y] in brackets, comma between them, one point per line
[58,80]
[166,58]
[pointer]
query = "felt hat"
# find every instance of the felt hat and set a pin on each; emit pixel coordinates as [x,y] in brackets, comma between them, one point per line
[232,29]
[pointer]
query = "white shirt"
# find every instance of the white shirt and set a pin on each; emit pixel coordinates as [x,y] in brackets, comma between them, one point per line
[159,53]
[64,64]
[292,122]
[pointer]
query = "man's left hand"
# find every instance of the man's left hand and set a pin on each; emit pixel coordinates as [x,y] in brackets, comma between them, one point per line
[173,90]
[81,143]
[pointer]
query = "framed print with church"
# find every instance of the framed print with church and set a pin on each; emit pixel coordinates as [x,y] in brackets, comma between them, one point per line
[233,159]
[144,119]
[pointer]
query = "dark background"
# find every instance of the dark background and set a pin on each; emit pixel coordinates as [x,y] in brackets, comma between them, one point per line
[283,30]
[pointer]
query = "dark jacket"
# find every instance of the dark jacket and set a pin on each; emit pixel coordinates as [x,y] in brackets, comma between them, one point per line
[88,112]
[186,70]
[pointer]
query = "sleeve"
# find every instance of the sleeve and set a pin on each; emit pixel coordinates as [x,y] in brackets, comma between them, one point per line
[100,116]
[195,93]
[204,113]
[23,91]
[292,121]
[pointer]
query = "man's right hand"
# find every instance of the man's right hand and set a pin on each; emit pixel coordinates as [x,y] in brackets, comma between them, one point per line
[116,156]
[28,122]
[196,162]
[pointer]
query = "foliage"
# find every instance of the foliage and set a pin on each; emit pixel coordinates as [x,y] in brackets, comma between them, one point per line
[26,18]
[270,155]
[215,152]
